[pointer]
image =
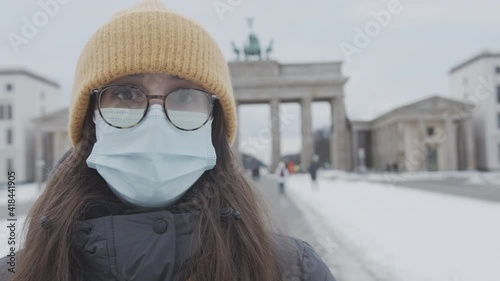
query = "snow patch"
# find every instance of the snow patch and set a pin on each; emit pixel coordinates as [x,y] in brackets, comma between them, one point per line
[407,234]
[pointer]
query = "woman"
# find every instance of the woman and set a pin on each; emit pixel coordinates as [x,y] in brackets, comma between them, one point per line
[150,190]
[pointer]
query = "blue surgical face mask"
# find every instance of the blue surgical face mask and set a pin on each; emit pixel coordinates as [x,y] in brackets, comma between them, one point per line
[152,164]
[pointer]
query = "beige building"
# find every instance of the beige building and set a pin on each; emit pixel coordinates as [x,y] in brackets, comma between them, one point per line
[434,134]
[477,80]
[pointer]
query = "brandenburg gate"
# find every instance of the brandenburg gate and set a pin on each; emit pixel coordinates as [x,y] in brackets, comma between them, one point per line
[269,82]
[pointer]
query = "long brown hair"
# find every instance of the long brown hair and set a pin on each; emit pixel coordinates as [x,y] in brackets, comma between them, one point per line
[228,250]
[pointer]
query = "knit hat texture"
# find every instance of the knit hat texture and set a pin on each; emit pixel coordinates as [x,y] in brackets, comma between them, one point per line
[149,38]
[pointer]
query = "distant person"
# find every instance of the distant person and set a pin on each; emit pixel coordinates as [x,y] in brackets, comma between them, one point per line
[395,167]
[313,170]
[296,169]
[291,167]
[282,175]
[256,172]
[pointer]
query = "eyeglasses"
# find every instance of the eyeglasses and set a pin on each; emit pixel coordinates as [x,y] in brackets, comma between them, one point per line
[125,106]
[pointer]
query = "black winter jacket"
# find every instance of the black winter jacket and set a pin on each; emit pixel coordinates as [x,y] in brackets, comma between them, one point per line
[152,246]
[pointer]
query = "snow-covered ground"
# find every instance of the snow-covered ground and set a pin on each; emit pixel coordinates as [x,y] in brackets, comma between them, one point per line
[405,234]
[470,177]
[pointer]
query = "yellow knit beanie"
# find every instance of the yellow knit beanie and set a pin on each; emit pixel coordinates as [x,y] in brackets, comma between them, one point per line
[149,38]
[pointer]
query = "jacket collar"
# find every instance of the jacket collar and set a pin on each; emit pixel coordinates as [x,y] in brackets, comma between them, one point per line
[112,243]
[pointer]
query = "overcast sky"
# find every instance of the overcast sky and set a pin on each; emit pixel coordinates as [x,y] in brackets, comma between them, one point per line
[408,59]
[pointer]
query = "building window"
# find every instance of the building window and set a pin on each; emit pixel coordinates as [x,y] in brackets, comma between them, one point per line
[497,70]
[1,112]
[9,87]
[9,136]
[430,131]
[498,120]
[9,112]
[10,165]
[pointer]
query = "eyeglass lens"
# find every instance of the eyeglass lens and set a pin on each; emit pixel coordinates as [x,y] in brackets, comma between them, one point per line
[124,106]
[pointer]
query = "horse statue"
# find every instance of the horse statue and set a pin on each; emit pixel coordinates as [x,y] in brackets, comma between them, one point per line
[269,49]
[253,47]
[236,50]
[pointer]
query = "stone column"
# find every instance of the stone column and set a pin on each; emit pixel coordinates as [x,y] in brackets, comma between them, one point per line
[307,135]
[38,156]
[333,134]
[470,154]
[375,149]
[401,155]
[354,150]
[451,144]
[422,131]
[390,145]
[338,145]
[275,132]
[57,148]
[395,143]
[386,142]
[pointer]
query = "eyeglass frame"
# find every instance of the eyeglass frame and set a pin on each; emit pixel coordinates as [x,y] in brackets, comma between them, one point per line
[98,91]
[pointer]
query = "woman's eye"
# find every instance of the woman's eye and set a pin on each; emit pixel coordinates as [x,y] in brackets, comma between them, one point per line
[185,96]
[188,100]
[127,94]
